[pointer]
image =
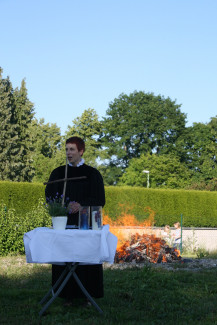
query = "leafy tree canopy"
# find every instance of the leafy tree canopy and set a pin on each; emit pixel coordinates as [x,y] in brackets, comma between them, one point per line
[197,148]
[46,139]
[141,123]
[165,171]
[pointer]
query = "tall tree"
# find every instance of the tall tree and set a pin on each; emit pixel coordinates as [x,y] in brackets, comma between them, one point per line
[7,134]
[138,124]
[197,148]
[46,141]
[24,113]
[16,112]
[141,123]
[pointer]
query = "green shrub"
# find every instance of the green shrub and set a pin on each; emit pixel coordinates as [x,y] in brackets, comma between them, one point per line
[13,226]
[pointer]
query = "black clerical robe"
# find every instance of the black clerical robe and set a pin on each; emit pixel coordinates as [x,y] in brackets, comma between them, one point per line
[86,191]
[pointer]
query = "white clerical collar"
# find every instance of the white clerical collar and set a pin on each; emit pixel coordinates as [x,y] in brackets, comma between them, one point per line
[79,164]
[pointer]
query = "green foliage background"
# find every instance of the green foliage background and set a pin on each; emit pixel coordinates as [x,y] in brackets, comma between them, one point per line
[22,209]
[140,130]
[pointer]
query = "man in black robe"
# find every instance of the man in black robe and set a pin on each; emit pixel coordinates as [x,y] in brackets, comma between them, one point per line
[86,191]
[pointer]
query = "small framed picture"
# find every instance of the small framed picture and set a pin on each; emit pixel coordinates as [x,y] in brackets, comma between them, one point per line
[84,217]
[96,217]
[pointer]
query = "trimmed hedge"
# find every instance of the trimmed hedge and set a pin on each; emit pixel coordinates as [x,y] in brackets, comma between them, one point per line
[20,196]
[199,208]
[22,209]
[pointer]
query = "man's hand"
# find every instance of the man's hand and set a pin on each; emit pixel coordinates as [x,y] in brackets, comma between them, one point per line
[73,207]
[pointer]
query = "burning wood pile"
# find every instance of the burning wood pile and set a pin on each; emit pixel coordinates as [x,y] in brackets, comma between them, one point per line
[141,248]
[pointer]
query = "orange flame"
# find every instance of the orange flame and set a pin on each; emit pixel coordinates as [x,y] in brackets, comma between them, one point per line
[177,252]
[149,244]
[127,219]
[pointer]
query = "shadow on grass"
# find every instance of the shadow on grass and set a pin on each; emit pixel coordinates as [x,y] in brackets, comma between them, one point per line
[132,296]
[22,288]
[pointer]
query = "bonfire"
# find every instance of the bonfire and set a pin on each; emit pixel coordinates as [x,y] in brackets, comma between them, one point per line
[141,248]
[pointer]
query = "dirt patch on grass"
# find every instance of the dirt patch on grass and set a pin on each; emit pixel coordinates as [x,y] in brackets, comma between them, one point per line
[189,264]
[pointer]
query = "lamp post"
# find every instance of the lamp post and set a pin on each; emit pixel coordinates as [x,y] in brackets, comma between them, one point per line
[147,172]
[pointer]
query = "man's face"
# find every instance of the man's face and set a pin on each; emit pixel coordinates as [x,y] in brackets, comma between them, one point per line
[72,154]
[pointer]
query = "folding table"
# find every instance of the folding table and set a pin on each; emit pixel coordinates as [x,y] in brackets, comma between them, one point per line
[69,247]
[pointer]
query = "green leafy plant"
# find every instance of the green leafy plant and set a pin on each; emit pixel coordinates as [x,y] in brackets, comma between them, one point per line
[202,252]
[190,244]
[55,207]
[14,226]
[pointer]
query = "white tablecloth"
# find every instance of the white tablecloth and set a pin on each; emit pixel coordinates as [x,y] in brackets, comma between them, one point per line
[45,245]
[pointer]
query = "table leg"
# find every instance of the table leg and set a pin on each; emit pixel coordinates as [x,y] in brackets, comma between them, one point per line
[70,268]
[86,293]
[51,291]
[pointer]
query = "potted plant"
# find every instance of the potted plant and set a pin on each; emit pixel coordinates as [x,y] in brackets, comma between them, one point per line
[58,212]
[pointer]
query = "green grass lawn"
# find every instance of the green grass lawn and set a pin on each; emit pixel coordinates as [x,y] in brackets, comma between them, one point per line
[132,296]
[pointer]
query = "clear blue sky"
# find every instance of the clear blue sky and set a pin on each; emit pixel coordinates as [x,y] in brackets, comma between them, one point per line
[80,54]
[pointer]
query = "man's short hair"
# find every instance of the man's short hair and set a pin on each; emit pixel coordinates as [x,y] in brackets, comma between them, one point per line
[78,141]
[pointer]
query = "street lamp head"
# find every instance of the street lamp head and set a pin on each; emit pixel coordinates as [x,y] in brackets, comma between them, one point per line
[147,172]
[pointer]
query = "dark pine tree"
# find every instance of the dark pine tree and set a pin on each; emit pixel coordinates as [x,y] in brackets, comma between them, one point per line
[16,113]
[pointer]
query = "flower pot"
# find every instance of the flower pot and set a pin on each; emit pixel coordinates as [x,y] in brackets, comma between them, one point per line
[59,223]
